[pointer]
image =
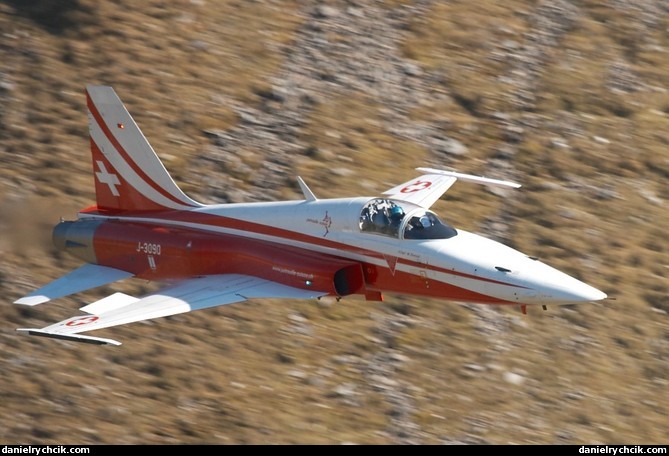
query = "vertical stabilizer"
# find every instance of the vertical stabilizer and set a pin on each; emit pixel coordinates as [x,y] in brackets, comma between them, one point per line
[129,176]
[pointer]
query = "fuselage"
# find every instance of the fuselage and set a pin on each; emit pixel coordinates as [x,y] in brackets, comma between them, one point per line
[323,245]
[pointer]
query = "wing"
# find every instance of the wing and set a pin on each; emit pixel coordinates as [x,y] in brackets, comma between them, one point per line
[84,278]
[186,296]
[425,190]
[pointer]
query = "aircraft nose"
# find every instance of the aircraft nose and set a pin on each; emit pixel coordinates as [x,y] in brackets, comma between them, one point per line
[555,287]
[593,294]
[576,291]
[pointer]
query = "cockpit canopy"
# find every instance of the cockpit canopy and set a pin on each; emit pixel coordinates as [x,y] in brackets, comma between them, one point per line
[404,221]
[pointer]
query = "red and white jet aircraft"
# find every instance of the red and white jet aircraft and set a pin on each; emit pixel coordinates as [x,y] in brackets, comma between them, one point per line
[144,226]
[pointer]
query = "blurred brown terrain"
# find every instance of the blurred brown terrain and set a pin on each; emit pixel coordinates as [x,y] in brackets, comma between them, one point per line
[237,98]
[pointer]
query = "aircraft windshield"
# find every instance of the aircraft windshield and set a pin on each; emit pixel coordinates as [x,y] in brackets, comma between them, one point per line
[387,217]
[426,225]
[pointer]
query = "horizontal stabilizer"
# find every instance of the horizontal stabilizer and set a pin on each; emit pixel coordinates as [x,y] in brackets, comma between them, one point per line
[84,278]
[71,337]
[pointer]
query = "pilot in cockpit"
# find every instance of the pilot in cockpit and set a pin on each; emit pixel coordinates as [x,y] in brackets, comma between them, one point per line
[396,215]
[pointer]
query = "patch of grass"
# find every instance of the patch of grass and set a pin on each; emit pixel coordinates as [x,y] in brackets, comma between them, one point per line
[349,148]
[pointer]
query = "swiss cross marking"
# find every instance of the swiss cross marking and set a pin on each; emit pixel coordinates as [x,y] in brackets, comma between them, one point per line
[106,178]
[416,186]
[82,321]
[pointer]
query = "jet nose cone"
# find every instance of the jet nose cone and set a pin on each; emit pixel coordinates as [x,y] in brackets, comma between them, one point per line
[569,290]
[586,293]
[551,286]
[598,295]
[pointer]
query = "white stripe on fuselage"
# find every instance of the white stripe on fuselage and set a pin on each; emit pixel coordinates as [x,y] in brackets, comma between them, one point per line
[472,284]
[244,233]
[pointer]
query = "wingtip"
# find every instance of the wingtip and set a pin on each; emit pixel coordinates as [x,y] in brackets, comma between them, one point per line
[32,300]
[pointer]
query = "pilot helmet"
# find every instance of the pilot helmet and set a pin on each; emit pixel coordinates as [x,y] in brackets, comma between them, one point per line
[425,221]
[396,212]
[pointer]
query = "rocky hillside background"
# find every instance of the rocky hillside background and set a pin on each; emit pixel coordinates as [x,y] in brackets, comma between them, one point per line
[238,97]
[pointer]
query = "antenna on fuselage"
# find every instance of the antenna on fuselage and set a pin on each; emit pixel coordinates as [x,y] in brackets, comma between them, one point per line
[308,194]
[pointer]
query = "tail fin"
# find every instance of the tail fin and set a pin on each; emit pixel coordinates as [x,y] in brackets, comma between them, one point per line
[129,176]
